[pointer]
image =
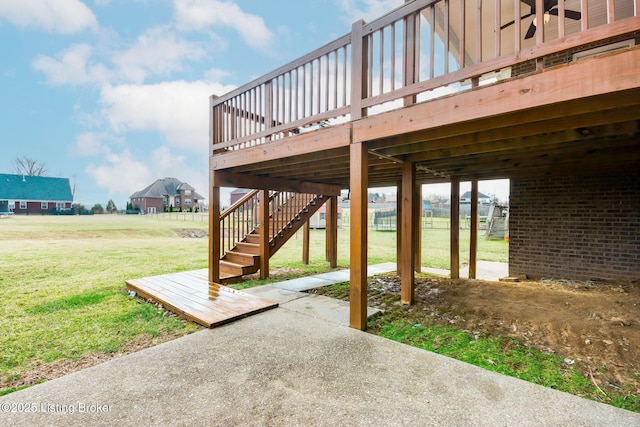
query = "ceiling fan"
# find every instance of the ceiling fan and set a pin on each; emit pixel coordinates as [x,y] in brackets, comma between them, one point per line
[550,8]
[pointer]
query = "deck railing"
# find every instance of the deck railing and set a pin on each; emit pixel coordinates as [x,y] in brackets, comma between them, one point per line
[421,50]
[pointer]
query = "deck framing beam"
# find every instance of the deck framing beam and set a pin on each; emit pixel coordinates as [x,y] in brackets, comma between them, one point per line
[228,179]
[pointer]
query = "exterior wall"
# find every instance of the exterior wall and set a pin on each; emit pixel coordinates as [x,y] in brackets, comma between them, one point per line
[35,207]
[575,227]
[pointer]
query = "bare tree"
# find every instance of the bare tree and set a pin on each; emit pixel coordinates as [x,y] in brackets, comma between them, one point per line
[30,167]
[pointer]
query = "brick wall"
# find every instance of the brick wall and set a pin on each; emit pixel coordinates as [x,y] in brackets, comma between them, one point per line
[575,227]
[566,56]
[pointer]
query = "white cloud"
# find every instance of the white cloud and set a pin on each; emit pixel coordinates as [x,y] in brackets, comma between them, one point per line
[94,144]
[204,14]
[121,173]
[72,67]
[156,52]
[88,144]
[368,10]
[54,16]
[178,110]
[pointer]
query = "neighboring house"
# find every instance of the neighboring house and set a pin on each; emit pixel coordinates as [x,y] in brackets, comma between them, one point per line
[483,199]
[167,193]
[23,194]
[238,194]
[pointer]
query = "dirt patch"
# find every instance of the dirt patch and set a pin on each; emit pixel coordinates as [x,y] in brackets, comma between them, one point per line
[193,233]
[595,325]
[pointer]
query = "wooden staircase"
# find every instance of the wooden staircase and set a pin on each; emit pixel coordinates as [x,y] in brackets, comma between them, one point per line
[240,230]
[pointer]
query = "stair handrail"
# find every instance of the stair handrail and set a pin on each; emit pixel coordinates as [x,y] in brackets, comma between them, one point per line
[238,220]
[284,206]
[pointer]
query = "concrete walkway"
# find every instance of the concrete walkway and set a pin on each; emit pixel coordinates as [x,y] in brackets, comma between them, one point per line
[296,365]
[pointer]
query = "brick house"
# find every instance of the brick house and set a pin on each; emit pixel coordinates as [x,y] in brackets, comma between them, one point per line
[166,193]
[21,194]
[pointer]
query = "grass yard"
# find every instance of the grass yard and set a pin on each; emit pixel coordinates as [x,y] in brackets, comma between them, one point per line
[64,303]
[63,292]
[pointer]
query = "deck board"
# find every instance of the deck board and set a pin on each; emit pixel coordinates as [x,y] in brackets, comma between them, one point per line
[187,294]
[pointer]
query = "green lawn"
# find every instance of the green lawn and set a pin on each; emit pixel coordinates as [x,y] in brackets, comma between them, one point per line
[63,291]
[63,281]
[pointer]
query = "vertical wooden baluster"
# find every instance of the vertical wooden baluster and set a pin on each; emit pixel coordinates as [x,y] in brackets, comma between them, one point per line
[518,25]
[381,60]
[319,89]
[326,82]
[370,66]
[446,36]
[584,19]
[498,40]
[432,56]
[392,71]
[463,33]
[561,16]
[479,32]
[345,63]
[540,21]
[335,79]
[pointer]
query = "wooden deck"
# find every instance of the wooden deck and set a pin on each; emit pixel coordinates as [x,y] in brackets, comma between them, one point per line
[188,294]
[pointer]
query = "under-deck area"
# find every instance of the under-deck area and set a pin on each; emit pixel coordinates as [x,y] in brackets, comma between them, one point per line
[435,91]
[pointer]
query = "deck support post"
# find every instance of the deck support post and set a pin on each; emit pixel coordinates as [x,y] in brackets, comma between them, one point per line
[408,232]
[454,243]
[214,234]
[263,207]
[399,258]
[473,242]
[306,235]
[417,228]
[359,179]
[332,231]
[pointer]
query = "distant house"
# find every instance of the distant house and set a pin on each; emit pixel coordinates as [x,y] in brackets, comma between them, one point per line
[238,194]
[167,193]
[23,194]
[483,199]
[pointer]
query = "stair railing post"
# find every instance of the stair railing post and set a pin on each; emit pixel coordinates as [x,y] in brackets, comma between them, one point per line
[332,230]
[214,233]
[264,234]
[306,235]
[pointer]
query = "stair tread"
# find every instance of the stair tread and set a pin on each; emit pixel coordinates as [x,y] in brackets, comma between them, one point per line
[237,252]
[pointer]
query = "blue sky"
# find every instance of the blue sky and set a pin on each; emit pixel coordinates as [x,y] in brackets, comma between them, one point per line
[113,94]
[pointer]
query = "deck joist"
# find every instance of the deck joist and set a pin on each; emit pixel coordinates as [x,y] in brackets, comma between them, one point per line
[188,294]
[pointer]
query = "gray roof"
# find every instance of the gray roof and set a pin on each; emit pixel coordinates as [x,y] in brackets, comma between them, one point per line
[35,188]
[165,187]
[467,195]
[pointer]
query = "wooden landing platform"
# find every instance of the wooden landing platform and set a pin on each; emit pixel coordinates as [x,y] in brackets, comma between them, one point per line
[188,294]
